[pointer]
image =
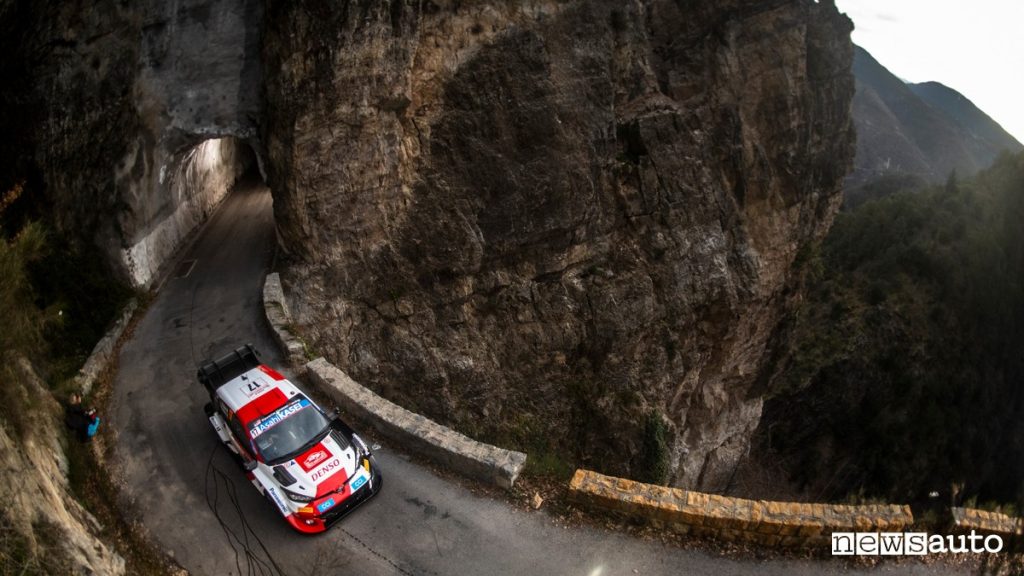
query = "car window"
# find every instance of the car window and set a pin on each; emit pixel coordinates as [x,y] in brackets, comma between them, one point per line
[287,429]
[234,425]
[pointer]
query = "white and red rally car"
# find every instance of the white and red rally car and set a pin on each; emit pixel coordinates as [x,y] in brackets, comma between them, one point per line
[307,462]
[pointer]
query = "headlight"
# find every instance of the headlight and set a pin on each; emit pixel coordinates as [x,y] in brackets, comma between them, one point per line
[360,445]
[296,497]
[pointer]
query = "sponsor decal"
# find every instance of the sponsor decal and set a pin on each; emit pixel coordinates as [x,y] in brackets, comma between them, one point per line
[277,500]
[276,417]
[313,458]
[325,470]
[252,388]
[358,483]
[325,505]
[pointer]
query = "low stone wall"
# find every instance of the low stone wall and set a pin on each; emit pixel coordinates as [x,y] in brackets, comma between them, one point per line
[967,519]
[416,433]
[100,355]
[734,519]
[280,318]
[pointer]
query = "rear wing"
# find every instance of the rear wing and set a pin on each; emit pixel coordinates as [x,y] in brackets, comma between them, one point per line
[215,373]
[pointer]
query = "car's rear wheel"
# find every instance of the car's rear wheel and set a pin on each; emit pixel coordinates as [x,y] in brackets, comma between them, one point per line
[236,457]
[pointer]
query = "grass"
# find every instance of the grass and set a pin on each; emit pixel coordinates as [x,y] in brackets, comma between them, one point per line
[547,463]
[20,556]
[525,433]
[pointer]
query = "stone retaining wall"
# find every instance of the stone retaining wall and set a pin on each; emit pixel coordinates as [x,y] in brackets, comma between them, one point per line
[734,519]
[100,355]
[967,519]
[416,433]
[280,318]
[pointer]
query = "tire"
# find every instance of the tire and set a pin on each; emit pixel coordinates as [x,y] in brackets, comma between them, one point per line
[235,457]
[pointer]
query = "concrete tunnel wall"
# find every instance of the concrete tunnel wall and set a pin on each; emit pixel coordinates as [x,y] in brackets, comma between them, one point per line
[197,93]
[190,188]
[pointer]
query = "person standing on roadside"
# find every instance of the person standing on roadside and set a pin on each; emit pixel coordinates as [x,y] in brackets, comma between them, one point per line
[81,420]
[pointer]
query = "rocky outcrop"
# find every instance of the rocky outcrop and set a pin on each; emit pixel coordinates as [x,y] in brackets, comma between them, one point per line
[109,109]
[39,504]
[546,223]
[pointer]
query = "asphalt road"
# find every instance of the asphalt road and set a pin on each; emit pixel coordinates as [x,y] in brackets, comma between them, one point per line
[198,505]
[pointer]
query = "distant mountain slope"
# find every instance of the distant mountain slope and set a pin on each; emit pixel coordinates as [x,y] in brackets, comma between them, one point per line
[919,130]
[985,130]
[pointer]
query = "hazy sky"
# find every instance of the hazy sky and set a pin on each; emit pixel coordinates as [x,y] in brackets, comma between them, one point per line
[975,47]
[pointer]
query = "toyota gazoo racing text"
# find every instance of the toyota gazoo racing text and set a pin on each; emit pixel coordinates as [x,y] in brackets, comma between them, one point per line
[308,463]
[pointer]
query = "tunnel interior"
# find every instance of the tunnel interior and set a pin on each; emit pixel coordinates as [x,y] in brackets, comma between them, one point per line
[189,186]
[228,156]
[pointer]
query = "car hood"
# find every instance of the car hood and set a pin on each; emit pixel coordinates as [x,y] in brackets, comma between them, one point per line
[324,468]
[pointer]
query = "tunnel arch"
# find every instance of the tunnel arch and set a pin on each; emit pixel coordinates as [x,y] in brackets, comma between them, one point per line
[197,92]
[185,187]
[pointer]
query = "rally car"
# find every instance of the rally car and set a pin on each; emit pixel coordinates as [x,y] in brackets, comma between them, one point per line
[311,466]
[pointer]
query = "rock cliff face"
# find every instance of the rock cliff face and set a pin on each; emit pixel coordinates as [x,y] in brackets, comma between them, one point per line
[107,108]
[122,124]
[547,223]
[39,504]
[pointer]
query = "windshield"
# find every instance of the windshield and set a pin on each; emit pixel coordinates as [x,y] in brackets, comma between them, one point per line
[287,429]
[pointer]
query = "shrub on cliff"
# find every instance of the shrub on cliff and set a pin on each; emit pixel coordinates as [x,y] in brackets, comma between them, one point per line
[654,465]
[56,300]
[58,293]
[23,321]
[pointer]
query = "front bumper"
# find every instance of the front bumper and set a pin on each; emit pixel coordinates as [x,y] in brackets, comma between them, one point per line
[335,514]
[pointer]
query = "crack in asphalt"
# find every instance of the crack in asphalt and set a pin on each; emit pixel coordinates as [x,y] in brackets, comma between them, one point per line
[371,550]
[244,544]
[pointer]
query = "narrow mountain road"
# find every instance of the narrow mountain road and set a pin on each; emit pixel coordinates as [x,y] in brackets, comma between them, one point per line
[198,505]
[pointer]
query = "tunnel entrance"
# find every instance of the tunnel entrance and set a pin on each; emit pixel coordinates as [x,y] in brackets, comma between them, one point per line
[189,187]
[228,157]
[253,168]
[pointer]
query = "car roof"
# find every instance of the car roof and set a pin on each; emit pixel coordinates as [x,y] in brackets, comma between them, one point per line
[257,392]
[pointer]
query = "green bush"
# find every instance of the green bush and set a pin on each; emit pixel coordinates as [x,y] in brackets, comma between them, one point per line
[23,322]
[654,455]
[56,302]
[22,319]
